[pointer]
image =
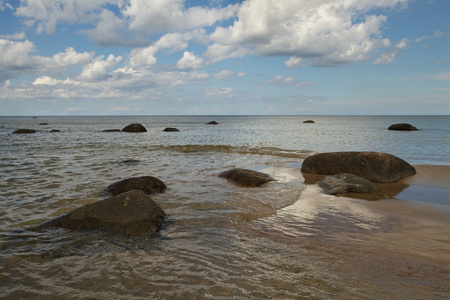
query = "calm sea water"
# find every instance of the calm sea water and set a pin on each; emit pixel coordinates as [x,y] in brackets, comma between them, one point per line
[285,240]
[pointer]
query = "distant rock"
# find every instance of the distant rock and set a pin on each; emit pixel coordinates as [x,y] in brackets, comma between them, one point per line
[19,131]
[130,162]
[131,213]
[43,124]
[134,128]
[212,123]
[170,129]
[346,183]
[374,166]
[55,130]
[246,178]
[402,126]
[111,130]
[148,184]
[309,121]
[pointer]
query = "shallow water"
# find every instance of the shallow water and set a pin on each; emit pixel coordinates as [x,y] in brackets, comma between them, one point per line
[284,240]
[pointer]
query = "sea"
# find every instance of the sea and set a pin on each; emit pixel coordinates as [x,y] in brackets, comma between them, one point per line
[285,240]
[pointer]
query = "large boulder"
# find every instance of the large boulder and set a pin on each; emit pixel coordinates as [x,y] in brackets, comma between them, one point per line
[402,126]
[246,178]
[134,128]
[20,131]
[374,166]
[346,183]
[147,184]
[131,213]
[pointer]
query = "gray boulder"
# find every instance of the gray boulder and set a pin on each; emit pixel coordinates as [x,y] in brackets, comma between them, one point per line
[134,128]
[147,184]
[402,126]
[131,213]
[346,183]
[246,178]
[374,166]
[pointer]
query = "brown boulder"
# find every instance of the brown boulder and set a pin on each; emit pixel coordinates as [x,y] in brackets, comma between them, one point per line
[134,128]
[19,131]
[131,213]
[374,166]
[246,178]
[170,129]
[402,126]
[212,123]
[148,184]
[309,121]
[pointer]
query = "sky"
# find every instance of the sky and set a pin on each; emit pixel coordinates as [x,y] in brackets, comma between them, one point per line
[224,57]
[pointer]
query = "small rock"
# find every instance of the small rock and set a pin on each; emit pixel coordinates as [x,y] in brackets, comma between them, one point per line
[43,124]
[55,130]
[402,126]
[130,162]
[134,128]
[246,178]
[309,121]
[148,184]
[212,123]
[346,183]
[111,130]
[170,129]
[19,131]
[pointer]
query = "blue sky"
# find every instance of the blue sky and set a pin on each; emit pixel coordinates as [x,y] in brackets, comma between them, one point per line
[194,57]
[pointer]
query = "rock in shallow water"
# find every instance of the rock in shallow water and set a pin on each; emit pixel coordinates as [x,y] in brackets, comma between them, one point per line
[246,178]
[20,131]
[147,184]
[374,166]
[402,126]
[130,213]
[134,128]
[346,183]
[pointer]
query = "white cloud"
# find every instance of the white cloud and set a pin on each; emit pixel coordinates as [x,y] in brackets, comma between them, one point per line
[390,56]
[289,80]
[437,34]
[98,67]
[70,110]
[189,61]
[223,74]
[171,15]
[4,6]
[241,74]
[293,62]
[325,31]
[227,92]
[15,36]
[441,76]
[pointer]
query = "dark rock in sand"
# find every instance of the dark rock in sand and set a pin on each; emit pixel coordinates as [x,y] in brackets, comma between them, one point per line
[309,121]
[402,126]
[374,166]
[130,162]
[43,124]
[246,178]
[111,130]
[346,183]
[148,184]
[134,128]
[19,131]
[55,130]
[212,123]
[170,129]
[131,213]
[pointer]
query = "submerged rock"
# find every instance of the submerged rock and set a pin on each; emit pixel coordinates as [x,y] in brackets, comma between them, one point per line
[246,178]
[19,131]
[346,183]
[171,129]
[374,166]
[148,184]
[131,213]
[55,130]
[212,123]
[134,128]
[402,126]
[43,124]
[309,121]
[130,162]
[111,130]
